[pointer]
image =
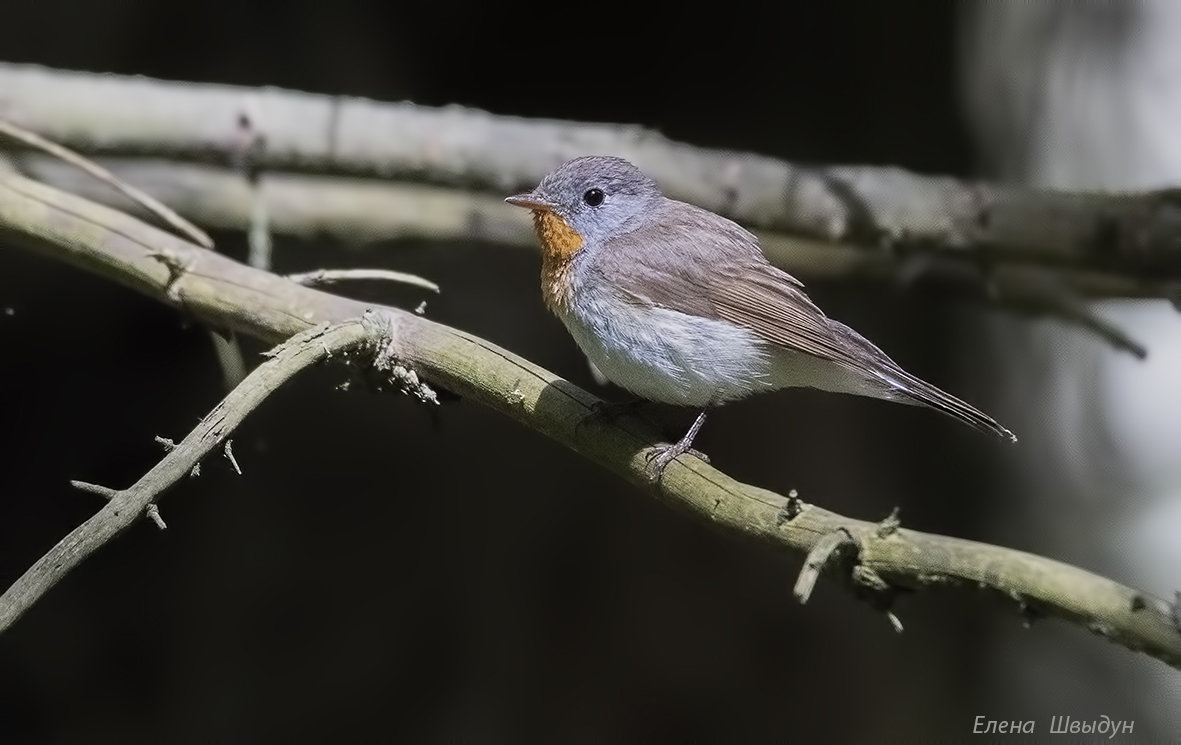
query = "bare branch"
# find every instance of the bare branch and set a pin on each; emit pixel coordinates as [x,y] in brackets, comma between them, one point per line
[356,210]
[225,293]
[125,505]
[1132,235]
[32,139]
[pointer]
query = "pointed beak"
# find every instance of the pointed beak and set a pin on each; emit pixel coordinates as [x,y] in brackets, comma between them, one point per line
[532,201]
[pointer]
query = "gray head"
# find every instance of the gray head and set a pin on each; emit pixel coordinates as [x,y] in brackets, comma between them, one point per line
[597,195]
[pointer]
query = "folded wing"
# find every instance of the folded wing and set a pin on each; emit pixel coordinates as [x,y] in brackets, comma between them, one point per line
[667,263]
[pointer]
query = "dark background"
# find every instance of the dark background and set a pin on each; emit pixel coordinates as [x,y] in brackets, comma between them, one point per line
[387,572]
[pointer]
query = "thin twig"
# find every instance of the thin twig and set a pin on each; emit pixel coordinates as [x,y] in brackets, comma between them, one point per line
[1039,291]
[125,505]
[246,152]
[32,139]
[152,512]
[229,448]
[332,276]
[816,560]
[229,357]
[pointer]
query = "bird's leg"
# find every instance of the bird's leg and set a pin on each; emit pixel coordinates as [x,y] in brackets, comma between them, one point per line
[661,455]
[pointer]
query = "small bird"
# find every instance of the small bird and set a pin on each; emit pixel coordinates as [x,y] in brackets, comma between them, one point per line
[678,305]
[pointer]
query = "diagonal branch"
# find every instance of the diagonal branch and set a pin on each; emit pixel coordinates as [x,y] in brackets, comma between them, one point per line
[125,506]
[65,155]
[884,559]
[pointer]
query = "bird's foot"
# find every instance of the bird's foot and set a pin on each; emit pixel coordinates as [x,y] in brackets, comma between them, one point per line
[660,456]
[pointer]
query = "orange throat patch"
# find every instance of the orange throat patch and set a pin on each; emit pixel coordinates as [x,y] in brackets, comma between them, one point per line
[559,244]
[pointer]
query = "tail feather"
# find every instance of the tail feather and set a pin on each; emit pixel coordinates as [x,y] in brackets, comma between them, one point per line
[906,388]
[921,392]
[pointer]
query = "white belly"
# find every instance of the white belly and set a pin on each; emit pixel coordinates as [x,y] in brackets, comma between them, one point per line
[667,356]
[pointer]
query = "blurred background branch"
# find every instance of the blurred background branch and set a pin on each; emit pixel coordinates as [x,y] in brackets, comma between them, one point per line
[364,171]
[225,294]
[1106,244]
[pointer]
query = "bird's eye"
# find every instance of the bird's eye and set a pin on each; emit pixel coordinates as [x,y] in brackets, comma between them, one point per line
[593,197]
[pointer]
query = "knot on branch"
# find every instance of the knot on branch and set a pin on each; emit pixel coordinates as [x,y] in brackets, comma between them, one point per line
[177,265]
[381,330]
[792,508]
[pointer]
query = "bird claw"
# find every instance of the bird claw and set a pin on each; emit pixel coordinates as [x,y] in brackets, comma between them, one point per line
[661,455]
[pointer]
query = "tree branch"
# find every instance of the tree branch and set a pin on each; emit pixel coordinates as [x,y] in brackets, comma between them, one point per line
[126,505]
[354,210]
[886,558]
[1133,235]
[358,210]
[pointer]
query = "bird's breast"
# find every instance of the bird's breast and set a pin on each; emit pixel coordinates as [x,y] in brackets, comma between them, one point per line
[559,243]
[664,355]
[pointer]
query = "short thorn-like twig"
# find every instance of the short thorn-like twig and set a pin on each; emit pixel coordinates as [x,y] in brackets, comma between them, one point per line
[791,508]
[69,156]
[105,492]
[331,276]
[817,559]
[126,505]
[229,453]
[890,525]
[169,446]
[152,512]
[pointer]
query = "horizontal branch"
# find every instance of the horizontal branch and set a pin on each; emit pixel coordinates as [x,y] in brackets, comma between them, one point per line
[885,559]
[1135,235]
[358,210]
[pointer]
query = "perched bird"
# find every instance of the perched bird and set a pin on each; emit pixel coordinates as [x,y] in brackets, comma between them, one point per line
[678,305]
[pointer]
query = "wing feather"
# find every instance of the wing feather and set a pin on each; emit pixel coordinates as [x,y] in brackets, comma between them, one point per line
[690,260]
[687,259]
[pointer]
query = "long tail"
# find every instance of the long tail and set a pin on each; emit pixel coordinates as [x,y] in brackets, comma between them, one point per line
[903,387]
[921,392]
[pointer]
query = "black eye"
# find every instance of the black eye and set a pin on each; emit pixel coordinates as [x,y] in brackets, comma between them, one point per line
[594,197]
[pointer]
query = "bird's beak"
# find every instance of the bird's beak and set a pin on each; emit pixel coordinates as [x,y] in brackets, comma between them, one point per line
[532,201]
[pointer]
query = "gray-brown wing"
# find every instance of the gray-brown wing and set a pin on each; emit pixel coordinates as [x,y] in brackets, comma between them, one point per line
[693,261]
